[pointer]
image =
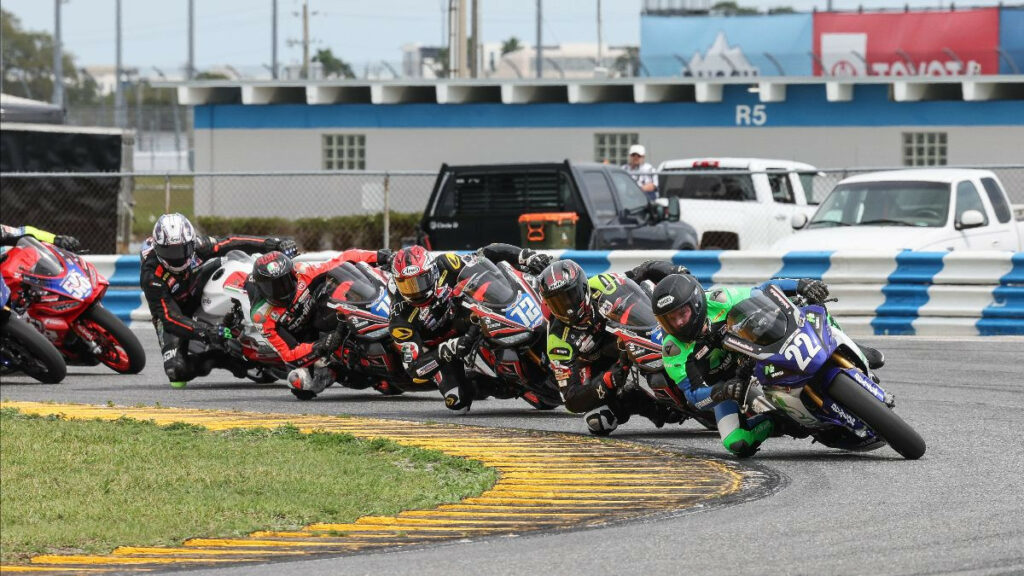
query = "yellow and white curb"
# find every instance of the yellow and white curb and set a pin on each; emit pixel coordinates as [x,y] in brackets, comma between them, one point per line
[547,481]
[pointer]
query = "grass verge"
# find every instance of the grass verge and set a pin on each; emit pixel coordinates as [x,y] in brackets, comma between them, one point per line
[150,199]
[88,486]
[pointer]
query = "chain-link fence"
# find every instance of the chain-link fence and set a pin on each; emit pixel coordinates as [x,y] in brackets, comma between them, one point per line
[337,210]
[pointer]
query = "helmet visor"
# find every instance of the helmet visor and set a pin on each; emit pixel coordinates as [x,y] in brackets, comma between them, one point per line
[175,256]
[677,321]
[279,291]
[417,290]
[566,305]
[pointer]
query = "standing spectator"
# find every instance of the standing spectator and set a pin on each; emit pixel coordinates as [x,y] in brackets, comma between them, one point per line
[641,171]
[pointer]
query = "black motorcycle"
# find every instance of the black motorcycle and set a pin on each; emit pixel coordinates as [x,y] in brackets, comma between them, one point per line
[512,350]
[627,308]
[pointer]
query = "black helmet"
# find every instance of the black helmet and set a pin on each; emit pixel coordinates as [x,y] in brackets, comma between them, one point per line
[563,286]
[275,278]
[680,306]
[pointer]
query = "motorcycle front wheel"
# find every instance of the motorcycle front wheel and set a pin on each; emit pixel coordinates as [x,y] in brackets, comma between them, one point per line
[878,417]
[120,350]
[30,352]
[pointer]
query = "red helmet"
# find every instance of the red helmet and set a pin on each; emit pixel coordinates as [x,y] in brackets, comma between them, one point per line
[415,275]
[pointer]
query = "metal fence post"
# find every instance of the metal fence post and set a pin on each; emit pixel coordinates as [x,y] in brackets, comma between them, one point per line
[167,193]
[387,210]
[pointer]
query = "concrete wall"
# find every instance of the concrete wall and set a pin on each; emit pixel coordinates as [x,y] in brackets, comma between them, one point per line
[425,149]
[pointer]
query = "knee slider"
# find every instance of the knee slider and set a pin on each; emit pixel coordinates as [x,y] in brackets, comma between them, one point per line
[601,421]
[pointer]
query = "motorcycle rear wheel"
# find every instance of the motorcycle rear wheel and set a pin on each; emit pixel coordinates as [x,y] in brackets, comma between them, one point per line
[31,352]
[120,349]
[878,417]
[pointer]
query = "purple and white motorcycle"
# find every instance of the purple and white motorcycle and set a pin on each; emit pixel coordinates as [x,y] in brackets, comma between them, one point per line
[806,368]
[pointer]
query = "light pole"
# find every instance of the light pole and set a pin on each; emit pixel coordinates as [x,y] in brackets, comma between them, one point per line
[58,57]
[119,118]
[540,48]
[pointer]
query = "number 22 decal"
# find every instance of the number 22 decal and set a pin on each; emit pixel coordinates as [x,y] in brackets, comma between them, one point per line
[796,353]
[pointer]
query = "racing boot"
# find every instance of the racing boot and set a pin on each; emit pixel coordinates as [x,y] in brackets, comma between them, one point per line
[874,356]
[305,385]
[458,392]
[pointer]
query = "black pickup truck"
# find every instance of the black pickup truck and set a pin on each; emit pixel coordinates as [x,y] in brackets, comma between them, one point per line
[471,206]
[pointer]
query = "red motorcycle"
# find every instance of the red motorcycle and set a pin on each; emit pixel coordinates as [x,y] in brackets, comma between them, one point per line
[59,293]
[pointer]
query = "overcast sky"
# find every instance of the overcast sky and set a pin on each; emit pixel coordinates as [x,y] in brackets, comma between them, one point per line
[238,32]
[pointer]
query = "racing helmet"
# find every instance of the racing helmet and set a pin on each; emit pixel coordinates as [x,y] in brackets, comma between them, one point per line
[274,276]
[680,306]
[563,286]
[174,241]
[415,274]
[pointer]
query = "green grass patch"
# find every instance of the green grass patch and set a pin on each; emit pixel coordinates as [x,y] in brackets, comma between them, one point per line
[151,199]
[89,486]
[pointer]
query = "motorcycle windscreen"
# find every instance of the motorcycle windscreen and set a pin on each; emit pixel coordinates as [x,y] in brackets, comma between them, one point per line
[43,262]
[757,319]
[354,285]
[628,306]
[486,284]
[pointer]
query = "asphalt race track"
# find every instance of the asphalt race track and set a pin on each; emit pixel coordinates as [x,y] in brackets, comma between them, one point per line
[958,510]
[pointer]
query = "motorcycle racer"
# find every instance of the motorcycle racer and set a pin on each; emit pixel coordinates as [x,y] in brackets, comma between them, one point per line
[288,307]
[709,375]
[430,330]
[173,287]
[590,370]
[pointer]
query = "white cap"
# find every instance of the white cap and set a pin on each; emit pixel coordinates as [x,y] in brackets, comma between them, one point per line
[637,149]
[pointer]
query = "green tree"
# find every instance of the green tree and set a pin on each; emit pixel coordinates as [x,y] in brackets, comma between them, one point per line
[26,63]
[730,8]
[333,66]
[207,75]
[510,45]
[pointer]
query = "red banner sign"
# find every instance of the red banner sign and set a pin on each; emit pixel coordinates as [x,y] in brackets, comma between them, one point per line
[907,44]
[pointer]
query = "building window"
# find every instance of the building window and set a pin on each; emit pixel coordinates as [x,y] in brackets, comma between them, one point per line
[614,147]
[924,148]
[344,151]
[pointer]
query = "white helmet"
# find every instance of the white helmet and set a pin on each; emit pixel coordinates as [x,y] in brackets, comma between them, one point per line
[174,240]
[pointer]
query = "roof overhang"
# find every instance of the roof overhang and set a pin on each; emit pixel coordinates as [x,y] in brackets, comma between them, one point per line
[643,91]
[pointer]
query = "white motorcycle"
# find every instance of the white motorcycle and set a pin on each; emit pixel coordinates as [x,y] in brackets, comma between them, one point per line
[225,302]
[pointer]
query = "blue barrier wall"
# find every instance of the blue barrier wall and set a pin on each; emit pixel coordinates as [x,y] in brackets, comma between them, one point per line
[897,293]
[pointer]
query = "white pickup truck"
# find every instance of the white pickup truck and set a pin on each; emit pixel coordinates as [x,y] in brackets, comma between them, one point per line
[738,203]
[920,209]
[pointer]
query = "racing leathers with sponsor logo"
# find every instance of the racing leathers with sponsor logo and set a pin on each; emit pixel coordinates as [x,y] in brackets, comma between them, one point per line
[590,369]
[174,296]
[431,331]
[710,376]
[289,307]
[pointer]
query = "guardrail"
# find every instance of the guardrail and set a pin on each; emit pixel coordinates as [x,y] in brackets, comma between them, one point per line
[895,293]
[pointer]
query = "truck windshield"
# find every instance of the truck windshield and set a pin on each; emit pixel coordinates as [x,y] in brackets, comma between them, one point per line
[896,203]
[705,186]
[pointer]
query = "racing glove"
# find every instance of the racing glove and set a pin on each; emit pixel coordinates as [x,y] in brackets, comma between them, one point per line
[384,258]
[734,389]
[457,348]
[69,243]
[618,372]
[220,338]
[534,262]
[285,246]
[815,291]
[327,344]
[655,270]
